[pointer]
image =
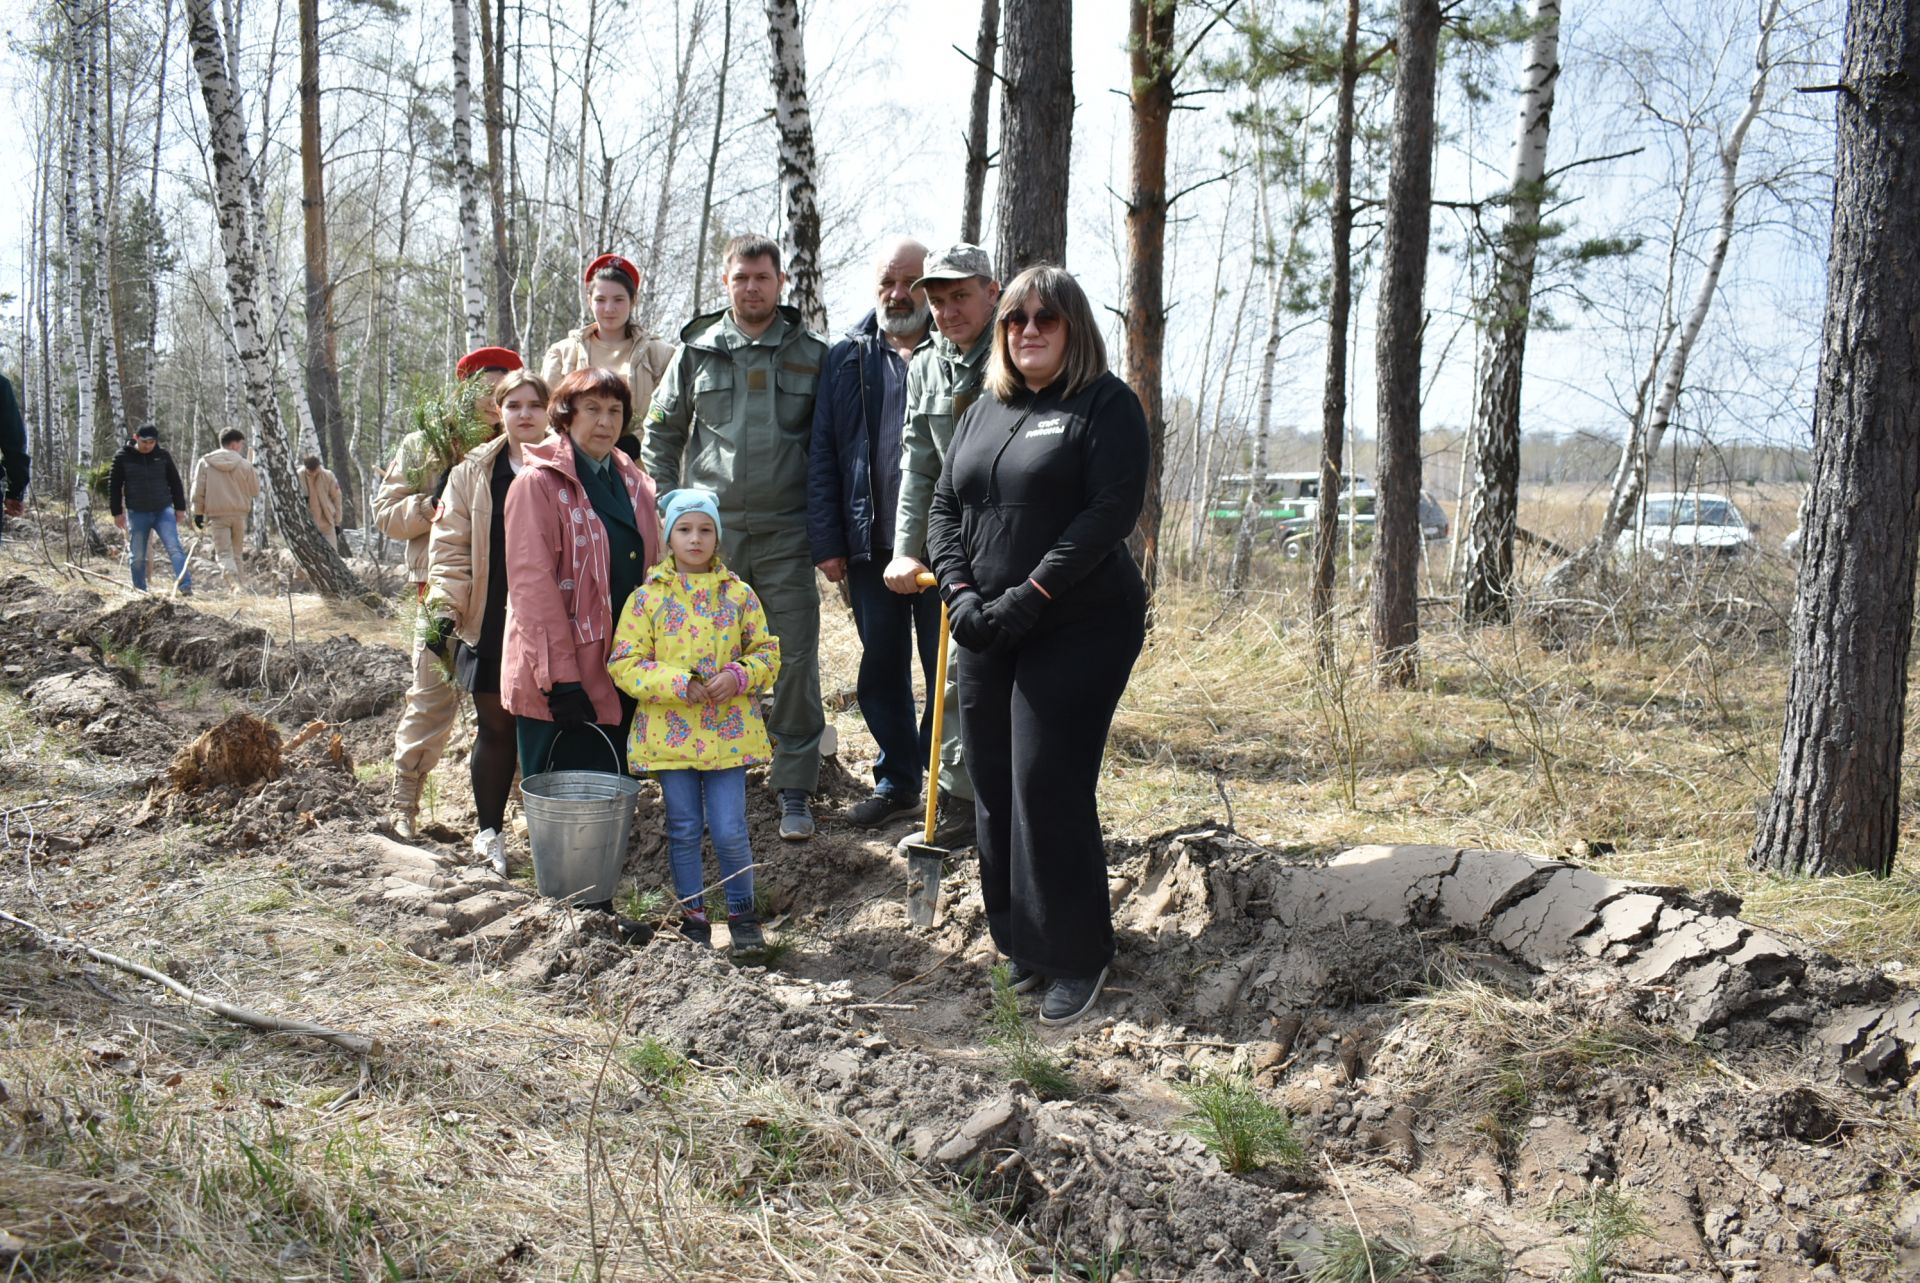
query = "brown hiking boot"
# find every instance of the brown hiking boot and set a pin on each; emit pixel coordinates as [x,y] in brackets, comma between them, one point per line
[403,805]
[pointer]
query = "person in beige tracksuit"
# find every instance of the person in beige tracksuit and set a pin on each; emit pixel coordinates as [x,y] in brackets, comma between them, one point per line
[405,508]
[224,488]
[323,497]
[613,340]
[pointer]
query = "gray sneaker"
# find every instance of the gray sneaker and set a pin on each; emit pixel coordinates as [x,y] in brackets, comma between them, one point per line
[796,815]
[882,807]
[1068,1000]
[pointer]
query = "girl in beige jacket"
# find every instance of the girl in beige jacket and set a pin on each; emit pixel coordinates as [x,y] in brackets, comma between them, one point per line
[636,356]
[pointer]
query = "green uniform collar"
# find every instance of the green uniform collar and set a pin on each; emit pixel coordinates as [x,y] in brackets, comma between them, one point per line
[716,332]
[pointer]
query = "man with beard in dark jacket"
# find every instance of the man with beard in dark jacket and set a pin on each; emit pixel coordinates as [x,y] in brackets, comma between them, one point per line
[146,497]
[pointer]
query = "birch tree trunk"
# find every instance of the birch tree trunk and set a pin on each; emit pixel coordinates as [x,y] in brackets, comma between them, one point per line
[1333,388]
[323,362]
[1240,566]
[232,163]
[1036,135]
[1396,536]
[713,156]
[493,39]
[1835,806]
[1150,26]
[1648,432]
[102,255]
[1492,501]
[78,357]
[149,371]
[986,46]
[799,169]
[472,275]
[649,301]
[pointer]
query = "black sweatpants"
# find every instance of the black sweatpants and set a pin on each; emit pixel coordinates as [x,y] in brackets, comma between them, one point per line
[1034,726]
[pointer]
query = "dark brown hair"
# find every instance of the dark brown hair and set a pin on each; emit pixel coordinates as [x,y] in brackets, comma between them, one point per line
[750,245]
[588,382]
[615,276]
[1086,358]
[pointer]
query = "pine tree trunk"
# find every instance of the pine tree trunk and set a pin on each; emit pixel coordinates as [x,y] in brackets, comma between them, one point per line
[1036,135]
[323,363]
[986,46]
[713,156]
[227,140]
[1836,802]
[1333,393]
[1403,278]
[493,40]
[472,251]
[1151,60]
[798,166]
[1491,511]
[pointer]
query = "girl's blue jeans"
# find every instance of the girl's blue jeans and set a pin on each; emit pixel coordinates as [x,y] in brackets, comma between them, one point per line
[716,802]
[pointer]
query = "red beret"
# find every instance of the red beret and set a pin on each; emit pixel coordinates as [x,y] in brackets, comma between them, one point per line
[627,269]
[488,358]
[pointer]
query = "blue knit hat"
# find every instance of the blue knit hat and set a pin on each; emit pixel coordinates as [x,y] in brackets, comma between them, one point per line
[678,503]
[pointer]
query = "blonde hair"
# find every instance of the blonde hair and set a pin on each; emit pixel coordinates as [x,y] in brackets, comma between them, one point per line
[1086,358]
[521,378]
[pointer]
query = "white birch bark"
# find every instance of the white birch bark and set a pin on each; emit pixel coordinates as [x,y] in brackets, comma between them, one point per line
[1242,563]
[799,168]
[77,357]
[233,165]
[102,294]
[1491,508]
[472,241]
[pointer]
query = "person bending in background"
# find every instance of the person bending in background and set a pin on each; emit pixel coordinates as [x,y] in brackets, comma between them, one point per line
[404,509]
[693,647]
[146,498]
[1043,482]
[582,529]
[322,489]
[613,340]
[467,595]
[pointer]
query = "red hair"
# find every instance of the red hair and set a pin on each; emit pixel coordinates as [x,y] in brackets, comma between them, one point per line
[588,382]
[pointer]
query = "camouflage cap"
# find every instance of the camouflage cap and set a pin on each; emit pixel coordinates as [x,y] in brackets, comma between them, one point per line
[957,263]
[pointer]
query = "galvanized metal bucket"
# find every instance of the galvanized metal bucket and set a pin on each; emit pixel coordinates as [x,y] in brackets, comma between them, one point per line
[577,825]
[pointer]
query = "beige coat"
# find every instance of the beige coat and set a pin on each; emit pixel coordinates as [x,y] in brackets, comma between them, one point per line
[646,361]
[323,496]
[224,485]
[404,509]
[457,569]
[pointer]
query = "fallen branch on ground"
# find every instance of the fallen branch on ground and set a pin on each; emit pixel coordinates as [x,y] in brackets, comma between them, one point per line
[358,1044]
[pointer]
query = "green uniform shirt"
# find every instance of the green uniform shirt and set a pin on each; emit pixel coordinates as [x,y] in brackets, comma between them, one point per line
[734,415]
[941,383]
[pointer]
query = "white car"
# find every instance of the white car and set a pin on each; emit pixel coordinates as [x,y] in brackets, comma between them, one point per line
[1673,525]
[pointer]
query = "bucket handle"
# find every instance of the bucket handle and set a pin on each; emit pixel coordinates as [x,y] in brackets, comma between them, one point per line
[619,762]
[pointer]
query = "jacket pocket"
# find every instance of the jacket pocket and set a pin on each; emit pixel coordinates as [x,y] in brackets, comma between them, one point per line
[713,396]
[793,398]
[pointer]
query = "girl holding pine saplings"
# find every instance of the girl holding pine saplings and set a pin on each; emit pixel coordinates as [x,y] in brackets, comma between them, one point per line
[693,648]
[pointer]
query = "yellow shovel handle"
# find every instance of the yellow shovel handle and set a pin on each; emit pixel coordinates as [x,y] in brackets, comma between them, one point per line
[938,698]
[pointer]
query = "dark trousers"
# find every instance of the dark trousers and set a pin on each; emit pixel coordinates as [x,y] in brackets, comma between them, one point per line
[890,624]
[579,749]
[1035,725]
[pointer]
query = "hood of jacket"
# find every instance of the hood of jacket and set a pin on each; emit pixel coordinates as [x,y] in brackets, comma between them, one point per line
[706,331]
[663,570]
[224,459]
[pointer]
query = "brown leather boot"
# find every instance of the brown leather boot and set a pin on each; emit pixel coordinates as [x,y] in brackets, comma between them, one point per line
[403,804]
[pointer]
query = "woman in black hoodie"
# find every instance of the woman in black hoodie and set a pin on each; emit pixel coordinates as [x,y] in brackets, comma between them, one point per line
[1042,485]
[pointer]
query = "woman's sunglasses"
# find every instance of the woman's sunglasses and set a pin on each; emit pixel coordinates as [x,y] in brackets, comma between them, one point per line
[1043,320]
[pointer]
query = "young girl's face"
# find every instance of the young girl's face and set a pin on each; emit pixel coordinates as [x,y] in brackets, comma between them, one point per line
[693,542]
[525,415]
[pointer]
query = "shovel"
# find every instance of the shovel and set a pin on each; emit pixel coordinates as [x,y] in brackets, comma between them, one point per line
[925,861]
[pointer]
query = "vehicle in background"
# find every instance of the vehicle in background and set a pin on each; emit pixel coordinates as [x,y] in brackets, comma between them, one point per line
[1298,537]
[1283,497]
[1693,524]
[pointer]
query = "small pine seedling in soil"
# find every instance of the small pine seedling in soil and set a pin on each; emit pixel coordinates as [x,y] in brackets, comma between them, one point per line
[1244,1130]
[657,1063]
[1611,1219]
[1346,1255]
[1022,1054]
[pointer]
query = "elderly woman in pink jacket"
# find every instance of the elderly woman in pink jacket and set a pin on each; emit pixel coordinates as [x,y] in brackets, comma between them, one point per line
[582,530]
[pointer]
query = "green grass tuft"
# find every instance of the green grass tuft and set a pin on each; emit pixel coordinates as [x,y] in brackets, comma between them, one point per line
[1022,1054]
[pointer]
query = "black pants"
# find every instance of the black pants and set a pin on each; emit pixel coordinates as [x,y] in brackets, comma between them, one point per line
[1034,724]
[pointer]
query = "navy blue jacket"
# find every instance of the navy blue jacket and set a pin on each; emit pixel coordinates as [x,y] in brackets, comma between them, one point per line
[840,462]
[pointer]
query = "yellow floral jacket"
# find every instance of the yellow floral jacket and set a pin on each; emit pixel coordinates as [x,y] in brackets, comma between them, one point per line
[673,627]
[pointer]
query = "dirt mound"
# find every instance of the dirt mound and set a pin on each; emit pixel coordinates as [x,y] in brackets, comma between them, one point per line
[248,789]
[240,752]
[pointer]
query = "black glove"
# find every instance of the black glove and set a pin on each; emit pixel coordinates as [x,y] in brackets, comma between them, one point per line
[439,636]
[440,486]
[1014,613]
[570,705]
[968,621]
[199,521]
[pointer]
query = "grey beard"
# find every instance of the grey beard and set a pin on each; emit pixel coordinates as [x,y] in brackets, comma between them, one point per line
[902,327]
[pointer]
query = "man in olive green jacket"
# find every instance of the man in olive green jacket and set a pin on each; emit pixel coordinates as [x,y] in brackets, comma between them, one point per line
[733,414]
[946,375]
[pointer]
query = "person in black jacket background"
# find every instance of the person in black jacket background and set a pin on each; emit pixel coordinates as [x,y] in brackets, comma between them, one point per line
[146,497]
[1042,485]
[14,460]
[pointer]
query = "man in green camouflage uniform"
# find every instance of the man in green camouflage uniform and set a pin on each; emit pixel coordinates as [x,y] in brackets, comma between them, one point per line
[734,414]
[944,379]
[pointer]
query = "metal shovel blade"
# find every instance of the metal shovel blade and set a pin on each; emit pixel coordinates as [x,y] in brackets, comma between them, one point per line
[924,865]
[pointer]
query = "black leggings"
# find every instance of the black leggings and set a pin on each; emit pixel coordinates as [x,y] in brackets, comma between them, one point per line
[1034,727]
[494,758]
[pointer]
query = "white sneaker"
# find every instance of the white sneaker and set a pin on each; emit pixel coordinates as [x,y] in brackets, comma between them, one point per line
[491,846]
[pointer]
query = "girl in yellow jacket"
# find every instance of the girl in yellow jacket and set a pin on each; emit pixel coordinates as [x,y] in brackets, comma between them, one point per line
[693,647]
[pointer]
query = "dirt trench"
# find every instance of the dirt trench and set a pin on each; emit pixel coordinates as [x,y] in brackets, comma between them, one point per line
[1728,1078]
